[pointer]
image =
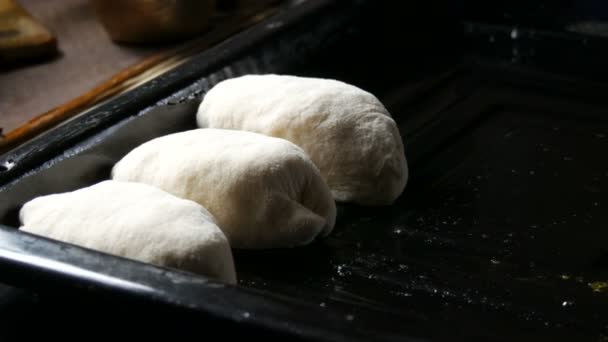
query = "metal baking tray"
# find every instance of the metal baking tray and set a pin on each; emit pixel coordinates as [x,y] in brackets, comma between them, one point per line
[500,234]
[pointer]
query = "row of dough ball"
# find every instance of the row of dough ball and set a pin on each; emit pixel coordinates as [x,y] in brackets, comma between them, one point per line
[206,190]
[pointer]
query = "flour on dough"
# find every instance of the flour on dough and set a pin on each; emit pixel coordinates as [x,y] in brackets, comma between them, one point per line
[264,192]
[134,221]
[346,131]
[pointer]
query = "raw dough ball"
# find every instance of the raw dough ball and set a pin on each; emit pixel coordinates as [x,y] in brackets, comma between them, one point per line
[264,192]
[135,221]
[346,131]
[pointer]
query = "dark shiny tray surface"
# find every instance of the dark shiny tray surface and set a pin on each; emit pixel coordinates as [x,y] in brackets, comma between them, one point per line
[500,234]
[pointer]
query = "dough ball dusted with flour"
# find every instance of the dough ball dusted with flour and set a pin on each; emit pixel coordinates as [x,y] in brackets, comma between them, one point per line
[264,192]
[347,132]
[135,221]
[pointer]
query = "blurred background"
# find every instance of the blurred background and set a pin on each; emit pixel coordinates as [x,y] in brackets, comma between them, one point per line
[58,58]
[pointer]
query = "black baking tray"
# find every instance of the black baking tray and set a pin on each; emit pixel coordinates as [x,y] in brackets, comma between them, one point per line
[501,233]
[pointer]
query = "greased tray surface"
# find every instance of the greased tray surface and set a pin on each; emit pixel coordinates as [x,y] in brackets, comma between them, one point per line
[499,235]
